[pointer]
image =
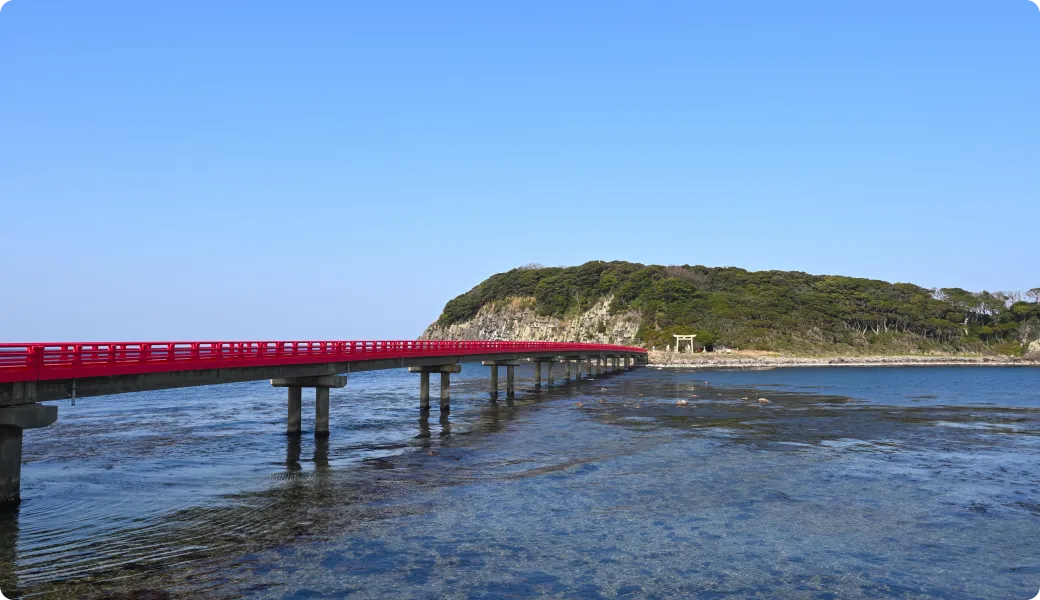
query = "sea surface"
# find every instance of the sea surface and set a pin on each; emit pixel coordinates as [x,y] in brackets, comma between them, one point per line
[849,483]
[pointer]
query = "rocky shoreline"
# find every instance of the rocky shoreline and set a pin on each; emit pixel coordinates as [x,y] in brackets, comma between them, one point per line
[673,360]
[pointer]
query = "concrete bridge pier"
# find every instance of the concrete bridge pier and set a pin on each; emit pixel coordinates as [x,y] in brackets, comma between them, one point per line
[13,421]
[510,380]
[293,423]
[321,385]
[424,392]
[445,392]
[548,360]
[321,412]
[573,362]
[424,385]
[510,366]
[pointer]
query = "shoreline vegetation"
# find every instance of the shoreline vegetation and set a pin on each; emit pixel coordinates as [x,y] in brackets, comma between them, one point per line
[772,360]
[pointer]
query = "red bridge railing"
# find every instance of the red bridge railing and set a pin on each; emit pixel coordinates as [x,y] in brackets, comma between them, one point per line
[43,362]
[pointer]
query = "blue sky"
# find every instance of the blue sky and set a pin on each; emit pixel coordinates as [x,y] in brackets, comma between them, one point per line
[339,170]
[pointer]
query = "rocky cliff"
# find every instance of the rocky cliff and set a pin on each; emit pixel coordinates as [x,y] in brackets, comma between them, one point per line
[517,319]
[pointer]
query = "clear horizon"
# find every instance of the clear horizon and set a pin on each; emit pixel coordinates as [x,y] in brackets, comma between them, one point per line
[250,171]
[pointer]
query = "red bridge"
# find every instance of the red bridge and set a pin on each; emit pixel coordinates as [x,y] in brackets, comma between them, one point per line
[33,373]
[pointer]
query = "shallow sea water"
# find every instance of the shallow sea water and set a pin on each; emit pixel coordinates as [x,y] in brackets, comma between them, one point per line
[849,483]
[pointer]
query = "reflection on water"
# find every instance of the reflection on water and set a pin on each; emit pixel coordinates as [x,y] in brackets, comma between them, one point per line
[294,448]
[848,483]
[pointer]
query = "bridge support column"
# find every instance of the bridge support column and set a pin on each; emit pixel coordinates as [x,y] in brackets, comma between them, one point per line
[321,412]
[424,385]
[548,360]
[13,421]
[567,371]
[510,379]
[294,426]
[572,363]
[510,365]
[445,392]
[424,392]
[321,385]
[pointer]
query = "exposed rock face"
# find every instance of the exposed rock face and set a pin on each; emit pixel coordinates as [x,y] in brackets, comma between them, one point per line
[1030,336]
[516,319]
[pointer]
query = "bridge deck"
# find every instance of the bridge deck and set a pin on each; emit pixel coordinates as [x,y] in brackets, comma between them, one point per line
[36,372]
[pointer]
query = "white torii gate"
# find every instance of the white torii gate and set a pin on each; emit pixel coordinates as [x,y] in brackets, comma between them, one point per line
[683,338]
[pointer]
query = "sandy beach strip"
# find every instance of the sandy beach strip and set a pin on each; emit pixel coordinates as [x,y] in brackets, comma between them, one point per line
[671,360]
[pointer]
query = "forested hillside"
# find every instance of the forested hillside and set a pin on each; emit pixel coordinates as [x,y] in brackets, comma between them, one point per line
[772,310]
